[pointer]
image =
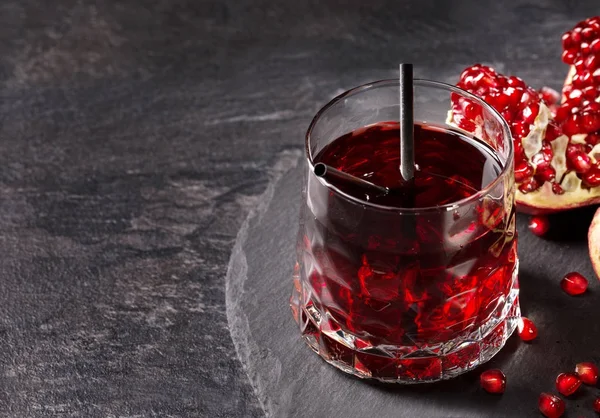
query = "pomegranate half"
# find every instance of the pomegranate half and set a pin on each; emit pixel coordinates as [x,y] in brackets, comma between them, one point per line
[555,168]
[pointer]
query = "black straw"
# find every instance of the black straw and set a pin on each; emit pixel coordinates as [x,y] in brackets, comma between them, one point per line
[329,173]
[407,141]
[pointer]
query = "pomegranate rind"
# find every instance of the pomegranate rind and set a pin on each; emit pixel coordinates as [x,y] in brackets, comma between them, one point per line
[594,242]
[544,201]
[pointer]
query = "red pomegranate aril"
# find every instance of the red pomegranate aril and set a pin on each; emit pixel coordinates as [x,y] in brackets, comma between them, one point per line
[592,177]
[493,381]
[580,162]
[529,185]
[557,189]
[546,173]
[596,405]
[530,112]
[579,64]
[563,112]
[595,46]
[527,329]
[552,131]
[567,383]
[539,225]
[588,373]
[568,57]
[549,95]
[590,122]
[589,92]
[523,170]
[520,129]
[587,33]
[566,40]
[571,125]
[551,406]
[593,138]
[584,48]
[575,94]
[591,62]
[574,284]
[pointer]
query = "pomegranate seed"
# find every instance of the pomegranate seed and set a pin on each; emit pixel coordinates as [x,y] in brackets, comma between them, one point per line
[595,46]
[567,383]
[580,162]
[593,139]
[574,284]
[551,406]
[523,170]
[591,62]
[585,48]
[575,94]
[520,129]
[530,112]
[592,177]
[515,81]
[597,405]
[493,381]
[549,95]
[546,173]
[568,57]
[566,40]
[557,189]
[563,112]
[531,184]
[527,329]
[571,125]
[539,225]
[579,64]
[588,373]
[552,131]
[590,122]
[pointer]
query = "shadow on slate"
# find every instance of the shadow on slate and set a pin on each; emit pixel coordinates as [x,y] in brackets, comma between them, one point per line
[294,382]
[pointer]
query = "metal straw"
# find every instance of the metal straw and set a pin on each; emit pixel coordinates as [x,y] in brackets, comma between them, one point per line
[329,173]
[407,140]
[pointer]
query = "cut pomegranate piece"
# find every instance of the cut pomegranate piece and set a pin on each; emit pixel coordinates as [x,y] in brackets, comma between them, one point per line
[527,329]
[493,381]
[594,242]
[551,406]
[574,284]
[567,383]
[587,372]
[549,179]
[539,225]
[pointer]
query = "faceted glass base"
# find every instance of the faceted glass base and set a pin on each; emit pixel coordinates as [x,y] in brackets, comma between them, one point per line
[418,363]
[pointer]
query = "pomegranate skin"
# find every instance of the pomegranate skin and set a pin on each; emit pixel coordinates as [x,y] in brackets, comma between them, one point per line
[594,242]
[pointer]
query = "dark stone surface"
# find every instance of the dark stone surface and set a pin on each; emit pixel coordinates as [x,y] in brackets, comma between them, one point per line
[292,381]
[135,138]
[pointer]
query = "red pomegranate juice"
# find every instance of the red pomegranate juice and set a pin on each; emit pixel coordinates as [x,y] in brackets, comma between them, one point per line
[383,285]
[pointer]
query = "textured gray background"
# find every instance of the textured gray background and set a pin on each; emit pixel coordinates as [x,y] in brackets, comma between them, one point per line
[135,139]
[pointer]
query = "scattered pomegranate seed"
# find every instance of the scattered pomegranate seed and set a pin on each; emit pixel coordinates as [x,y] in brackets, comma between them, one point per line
[588,373]
[551,406]
[574,284]
[597,405]
[493,381]
[527,329]
[539,225]
[549,95]
[567,383]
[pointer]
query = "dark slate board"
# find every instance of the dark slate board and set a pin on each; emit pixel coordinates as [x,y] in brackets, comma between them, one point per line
[294,382]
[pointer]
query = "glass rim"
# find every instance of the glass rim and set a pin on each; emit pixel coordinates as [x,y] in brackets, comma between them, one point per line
[427,83]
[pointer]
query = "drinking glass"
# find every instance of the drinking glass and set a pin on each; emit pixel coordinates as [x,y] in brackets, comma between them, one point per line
[407,294]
